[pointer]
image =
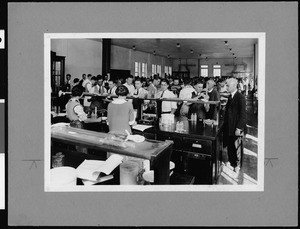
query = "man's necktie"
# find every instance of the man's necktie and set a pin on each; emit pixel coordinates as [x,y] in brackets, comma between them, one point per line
[230,98]
[162,94]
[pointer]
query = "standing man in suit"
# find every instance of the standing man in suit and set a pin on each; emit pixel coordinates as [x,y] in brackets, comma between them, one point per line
[234,121]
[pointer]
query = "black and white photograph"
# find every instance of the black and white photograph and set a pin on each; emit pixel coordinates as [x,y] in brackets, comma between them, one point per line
[139,111]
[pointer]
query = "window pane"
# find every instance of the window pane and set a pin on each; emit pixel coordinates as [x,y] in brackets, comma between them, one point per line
[158,70]
[153,69]
[217,72]
[143,67]
[204,72]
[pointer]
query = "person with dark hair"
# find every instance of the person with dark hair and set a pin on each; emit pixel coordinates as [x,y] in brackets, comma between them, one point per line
[74,109]
[128,84]
[120,113]
[75,82]
[119,82]
[153,87]
[95,86]
[112,87]
[186,93]
[139,92]
[102,89]
[176,87]
[198,94]
[167,106]
[82,79]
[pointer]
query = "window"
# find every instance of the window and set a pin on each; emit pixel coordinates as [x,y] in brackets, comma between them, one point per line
[144,70]
[153,69]
[140,69]
[168,70]
[204,70]
[158,69]
[137,67]
[217,70]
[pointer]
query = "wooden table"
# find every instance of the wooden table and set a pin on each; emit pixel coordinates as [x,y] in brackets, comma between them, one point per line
[158,152]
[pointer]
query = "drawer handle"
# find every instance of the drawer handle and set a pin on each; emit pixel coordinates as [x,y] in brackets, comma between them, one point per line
[197,145]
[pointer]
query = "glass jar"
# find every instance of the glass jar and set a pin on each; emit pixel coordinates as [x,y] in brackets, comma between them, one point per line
[58,160]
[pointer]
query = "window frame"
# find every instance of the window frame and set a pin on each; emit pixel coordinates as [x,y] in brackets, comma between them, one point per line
[204,67]
[215,68]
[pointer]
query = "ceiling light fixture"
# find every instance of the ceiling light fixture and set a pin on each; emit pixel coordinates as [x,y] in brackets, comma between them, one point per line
[168,56]
[178,45]
[133,47]
[200,55]
[226,42]
[154,53]
[192,51]
[230,50]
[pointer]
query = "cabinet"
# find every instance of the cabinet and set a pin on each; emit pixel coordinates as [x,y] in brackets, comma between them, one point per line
[57,72]
[195,156]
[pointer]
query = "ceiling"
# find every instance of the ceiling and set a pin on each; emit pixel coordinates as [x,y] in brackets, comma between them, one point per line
[210,48]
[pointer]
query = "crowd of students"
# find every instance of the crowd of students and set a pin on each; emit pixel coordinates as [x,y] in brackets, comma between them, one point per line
[121,104]
[205,88]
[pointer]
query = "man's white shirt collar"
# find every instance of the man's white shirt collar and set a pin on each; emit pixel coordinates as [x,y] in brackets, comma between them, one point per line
[233,93]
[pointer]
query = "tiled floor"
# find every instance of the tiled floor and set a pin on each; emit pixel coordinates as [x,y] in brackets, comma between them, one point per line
[248,172]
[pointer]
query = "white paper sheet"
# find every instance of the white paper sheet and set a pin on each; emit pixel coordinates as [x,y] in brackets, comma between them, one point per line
[141,127]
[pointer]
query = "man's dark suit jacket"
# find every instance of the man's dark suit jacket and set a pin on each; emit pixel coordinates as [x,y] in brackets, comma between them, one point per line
[235,114]
[212,112]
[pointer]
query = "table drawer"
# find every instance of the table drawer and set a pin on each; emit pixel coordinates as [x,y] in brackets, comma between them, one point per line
[149,136]
[177,140]
[199,156]
[197,145]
